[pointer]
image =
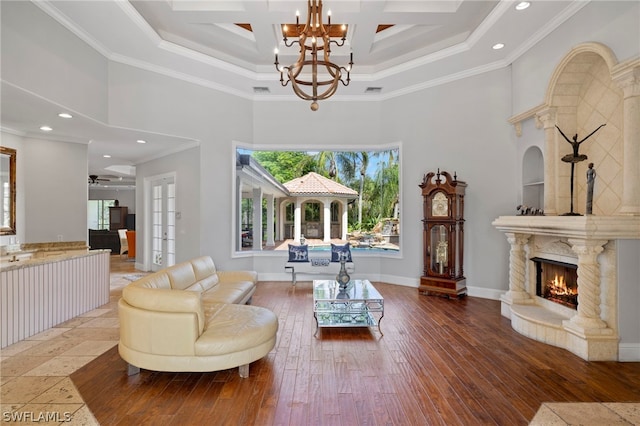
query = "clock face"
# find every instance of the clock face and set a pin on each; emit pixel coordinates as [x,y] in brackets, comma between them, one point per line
[439,205]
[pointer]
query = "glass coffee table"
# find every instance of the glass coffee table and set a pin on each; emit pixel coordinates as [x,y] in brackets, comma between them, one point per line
[360,305]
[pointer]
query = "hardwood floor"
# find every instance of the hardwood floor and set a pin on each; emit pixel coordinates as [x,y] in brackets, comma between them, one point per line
[440,362]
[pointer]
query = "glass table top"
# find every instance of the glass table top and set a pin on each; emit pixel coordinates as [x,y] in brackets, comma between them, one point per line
[356,290]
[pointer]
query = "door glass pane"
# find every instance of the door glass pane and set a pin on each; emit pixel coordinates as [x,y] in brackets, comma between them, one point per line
[156,251]
[171,224]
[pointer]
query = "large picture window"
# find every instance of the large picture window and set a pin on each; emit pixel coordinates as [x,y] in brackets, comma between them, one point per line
[317,197]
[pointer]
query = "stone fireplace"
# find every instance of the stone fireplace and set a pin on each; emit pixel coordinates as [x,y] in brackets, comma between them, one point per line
[589,88]
[590,330]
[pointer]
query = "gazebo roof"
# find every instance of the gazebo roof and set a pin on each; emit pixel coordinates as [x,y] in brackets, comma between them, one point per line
[315,184]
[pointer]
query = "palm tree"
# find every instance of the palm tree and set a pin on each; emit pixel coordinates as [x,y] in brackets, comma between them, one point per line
[352,163]
[387,183]
[386,189]
[324,163]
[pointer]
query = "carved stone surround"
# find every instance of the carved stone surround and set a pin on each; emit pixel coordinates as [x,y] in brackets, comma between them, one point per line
[588,87]
[587,241]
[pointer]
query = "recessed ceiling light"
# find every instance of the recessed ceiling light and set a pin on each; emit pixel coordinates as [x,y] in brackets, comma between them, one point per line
[65,115]
[106,156]
[523,5]
[497,46]
[141,141]
[46,128]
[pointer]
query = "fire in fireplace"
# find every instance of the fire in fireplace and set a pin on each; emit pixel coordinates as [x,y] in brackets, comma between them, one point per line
[557,281]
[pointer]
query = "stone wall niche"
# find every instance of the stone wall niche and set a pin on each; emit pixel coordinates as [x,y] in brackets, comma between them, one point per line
[589,88]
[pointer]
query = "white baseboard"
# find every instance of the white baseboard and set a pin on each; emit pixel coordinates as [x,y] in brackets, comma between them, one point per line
[485,293]
[629,352]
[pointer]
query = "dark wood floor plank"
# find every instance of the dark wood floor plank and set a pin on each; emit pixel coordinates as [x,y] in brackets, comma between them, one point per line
[440,362]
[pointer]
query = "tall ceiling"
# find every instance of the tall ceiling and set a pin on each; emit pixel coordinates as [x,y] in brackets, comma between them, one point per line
[423,44]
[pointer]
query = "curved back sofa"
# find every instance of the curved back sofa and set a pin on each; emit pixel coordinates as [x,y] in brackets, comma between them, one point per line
[191,317]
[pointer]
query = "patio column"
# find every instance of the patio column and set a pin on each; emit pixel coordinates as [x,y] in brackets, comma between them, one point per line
[270,230]
[257,219]
[326,220]
[297,221]
[345,221]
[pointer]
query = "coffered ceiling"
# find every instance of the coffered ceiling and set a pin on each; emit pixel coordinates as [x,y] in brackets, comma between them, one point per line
[423,44]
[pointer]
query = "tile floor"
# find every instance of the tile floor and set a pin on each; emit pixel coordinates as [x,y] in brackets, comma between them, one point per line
[587,414]
[35,387]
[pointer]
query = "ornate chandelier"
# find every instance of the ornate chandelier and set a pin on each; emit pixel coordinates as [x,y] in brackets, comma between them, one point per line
[314,78]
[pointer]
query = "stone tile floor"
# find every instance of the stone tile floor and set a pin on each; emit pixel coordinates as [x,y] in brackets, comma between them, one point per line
[587,414]
[35,387]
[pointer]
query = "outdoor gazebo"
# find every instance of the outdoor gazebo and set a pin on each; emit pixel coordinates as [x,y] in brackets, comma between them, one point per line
[312,206]
[316,208]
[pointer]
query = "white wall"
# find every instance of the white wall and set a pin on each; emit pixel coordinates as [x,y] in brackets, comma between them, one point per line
[471,137]
[55,184]
[144,100]
[628,297]
[41,56]
[51,185]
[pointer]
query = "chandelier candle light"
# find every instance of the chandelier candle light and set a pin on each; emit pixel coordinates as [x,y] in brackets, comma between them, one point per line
[321,75]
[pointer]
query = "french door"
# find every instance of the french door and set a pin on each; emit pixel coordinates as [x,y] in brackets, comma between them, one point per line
[163,221]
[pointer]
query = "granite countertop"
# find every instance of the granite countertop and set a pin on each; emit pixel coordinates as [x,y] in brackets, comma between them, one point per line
[55,246]
[10,266]
[44,247]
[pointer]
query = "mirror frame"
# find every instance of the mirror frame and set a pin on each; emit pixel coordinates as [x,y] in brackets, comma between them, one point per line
[11,229]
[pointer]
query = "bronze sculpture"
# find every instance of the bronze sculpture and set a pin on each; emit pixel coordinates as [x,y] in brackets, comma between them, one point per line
[574,158]
[591,178]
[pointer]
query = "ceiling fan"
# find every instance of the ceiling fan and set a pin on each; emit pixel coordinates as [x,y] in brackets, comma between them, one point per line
[94,179]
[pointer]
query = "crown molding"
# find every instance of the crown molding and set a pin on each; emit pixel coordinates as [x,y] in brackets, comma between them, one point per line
[446,79]
[179,75]
[255,76]
[11,131]
[164,153]
[62,19]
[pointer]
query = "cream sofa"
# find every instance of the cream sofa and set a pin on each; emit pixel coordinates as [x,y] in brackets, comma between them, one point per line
[191,317]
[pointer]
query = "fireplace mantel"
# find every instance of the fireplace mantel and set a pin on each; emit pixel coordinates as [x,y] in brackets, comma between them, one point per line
[590,331]
[587,227]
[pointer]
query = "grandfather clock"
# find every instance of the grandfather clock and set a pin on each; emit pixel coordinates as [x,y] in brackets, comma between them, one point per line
[443,235]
